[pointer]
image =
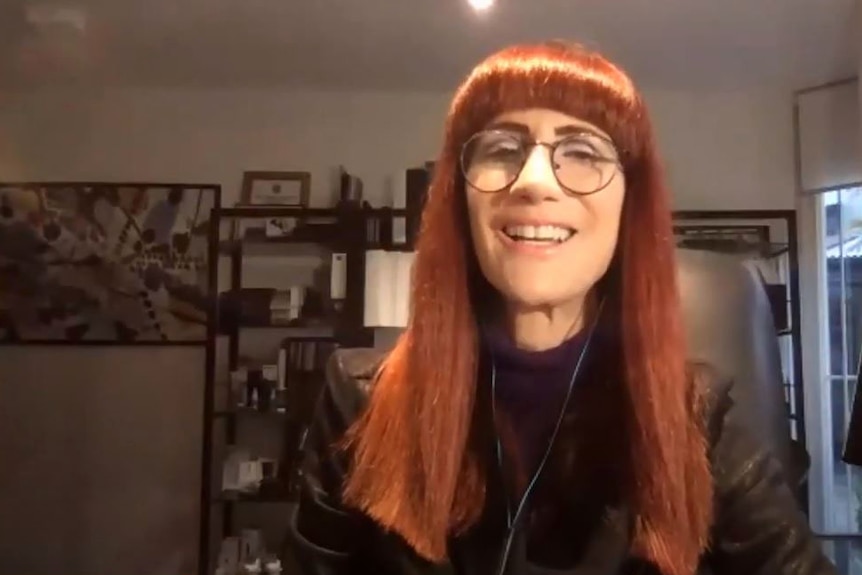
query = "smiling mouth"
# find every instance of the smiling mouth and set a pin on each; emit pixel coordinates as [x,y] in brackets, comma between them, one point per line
[541,235]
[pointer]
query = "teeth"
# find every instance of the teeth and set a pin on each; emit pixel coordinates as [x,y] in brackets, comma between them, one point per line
[544,233]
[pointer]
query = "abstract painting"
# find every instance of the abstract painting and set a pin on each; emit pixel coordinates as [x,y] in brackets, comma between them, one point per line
[104,263]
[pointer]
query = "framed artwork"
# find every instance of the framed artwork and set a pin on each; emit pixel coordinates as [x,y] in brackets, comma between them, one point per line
[104,263]
[276,189]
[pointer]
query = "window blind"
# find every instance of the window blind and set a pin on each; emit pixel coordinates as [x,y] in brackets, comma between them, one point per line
[829,136]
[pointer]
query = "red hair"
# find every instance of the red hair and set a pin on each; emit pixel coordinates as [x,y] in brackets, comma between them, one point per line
[413,469]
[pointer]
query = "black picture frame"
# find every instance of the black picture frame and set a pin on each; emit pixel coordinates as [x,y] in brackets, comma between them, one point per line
[105,263]
[290,189]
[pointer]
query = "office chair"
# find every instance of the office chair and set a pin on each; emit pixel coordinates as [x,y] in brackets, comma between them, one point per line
[730,325]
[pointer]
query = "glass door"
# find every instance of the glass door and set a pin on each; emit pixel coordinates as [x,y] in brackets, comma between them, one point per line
[841,249]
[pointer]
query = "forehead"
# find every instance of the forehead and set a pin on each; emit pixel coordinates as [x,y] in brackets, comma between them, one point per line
[543,122]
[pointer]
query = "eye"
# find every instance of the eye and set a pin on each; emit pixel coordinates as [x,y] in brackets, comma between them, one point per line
[584,148]
[497,146]
[577,148]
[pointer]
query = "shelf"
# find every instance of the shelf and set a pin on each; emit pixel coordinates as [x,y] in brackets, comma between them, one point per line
[765,251]
[249,412]
[313,232]
[227,328]
[252,308]
[302,323]
[274,495]
[774,250]
[275,247]
[251,325]
[266,211]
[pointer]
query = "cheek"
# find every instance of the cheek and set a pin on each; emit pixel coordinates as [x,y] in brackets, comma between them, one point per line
[605,218]
[478,213]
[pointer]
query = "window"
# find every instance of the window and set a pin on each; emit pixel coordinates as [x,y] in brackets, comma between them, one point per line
[841,241]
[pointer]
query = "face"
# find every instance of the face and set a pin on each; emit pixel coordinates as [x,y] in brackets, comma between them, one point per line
[540,243]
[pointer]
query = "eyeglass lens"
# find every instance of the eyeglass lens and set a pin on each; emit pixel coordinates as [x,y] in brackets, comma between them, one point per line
[583,163]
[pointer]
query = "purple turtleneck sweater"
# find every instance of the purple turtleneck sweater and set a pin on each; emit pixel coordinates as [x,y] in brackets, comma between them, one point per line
[531,389]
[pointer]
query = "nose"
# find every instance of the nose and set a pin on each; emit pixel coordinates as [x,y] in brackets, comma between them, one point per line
[536,182]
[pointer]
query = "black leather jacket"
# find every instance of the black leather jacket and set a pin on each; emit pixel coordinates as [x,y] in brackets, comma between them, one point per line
[758,527]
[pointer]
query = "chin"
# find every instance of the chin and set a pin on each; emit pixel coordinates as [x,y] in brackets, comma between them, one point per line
[537,294]
[533,298]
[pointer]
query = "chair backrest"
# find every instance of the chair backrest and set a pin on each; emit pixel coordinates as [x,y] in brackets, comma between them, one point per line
[853,446]
[730,325]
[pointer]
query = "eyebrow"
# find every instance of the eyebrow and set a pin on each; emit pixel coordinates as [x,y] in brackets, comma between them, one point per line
[510,127]
[560,131]
[570,129]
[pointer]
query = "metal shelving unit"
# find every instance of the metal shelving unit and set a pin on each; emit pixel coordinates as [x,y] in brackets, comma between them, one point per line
[342,230]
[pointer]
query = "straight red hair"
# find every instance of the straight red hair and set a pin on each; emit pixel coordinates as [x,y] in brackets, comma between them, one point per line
[413,469]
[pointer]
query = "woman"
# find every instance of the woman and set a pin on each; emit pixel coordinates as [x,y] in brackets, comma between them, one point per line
[538,415]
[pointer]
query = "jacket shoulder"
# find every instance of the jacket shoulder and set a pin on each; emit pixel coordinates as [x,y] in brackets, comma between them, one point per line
[350,377]
[758,527]
[711,396]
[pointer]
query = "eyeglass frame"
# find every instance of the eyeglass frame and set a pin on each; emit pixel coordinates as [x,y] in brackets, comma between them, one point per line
[530,145]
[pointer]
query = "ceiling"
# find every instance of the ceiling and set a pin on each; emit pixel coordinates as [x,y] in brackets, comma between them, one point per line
[418,44]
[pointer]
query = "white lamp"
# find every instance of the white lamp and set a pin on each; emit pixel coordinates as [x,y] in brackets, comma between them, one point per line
[387,288]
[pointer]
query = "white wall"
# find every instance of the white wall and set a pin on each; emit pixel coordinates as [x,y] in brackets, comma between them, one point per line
[723,151]
[100,452]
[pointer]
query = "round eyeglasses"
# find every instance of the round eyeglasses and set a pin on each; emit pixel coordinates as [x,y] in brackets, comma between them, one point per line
[583,162]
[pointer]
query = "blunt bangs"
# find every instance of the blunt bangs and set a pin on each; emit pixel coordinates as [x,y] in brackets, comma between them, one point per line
[565,78]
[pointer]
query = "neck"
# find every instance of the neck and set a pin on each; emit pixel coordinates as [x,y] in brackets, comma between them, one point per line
[546,327]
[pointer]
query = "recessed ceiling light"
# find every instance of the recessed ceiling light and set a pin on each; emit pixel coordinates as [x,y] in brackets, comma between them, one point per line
[481,5]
